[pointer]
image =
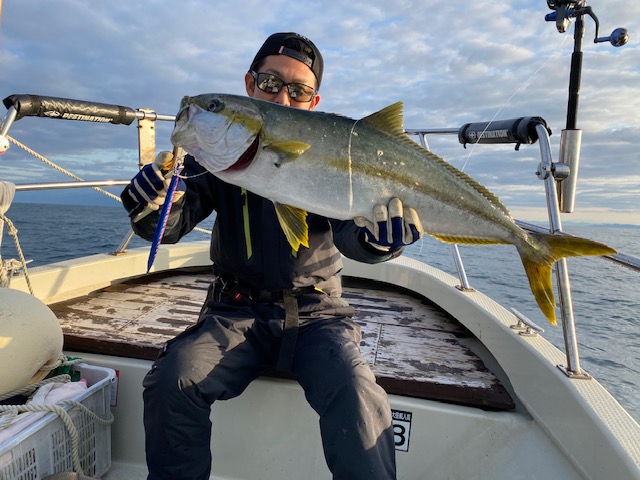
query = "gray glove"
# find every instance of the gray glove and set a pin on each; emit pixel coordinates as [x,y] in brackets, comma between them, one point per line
[392,227]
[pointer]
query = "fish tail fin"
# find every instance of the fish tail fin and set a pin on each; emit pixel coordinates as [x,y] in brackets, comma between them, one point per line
[540,281]
[539,267]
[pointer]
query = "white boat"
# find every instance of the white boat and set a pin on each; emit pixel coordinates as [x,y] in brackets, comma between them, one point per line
[476,391]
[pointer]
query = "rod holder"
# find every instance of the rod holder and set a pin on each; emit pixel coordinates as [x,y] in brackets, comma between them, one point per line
[570,143]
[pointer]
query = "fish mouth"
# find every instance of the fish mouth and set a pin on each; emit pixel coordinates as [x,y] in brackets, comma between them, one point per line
[246,158]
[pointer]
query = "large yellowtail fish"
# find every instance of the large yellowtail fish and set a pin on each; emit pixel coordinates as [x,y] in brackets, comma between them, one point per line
[340,168]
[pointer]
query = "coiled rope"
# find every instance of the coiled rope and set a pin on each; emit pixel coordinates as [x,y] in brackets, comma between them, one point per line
[59,410]
[9,412]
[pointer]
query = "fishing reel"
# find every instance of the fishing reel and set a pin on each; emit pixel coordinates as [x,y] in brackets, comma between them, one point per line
[566,170]
[566,10]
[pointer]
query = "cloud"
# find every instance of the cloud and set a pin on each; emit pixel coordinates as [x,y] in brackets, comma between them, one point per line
[450,64]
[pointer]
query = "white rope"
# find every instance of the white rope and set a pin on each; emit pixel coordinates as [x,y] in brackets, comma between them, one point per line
[59,168]
[75,177]
[7,417]
[34,386]
[61,361]
[9,412]
[9,267]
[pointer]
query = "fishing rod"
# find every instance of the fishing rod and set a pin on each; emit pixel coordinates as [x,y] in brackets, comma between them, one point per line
[566,170]
[564,11]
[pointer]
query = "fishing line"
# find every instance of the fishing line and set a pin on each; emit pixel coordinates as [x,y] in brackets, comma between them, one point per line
[351,134]
[556,52]
[194,175]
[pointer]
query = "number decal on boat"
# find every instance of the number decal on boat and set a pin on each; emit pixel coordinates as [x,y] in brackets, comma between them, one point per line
[401,429]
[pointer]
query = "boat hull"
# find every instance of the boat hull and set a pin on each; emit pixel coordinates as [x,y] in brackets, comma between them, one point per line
[559,428]
[273,421]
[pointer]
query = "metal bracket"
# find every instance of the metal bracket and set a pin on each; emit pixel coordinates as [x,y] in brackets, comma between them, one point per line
[146,137]
[558,170]
[462,288]
[581,375]
[124,243]
[5,125]
[525,327]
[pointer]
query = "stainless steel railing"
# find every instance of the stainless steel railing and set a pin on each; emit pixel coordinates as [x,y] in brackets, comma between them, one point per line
[545,172]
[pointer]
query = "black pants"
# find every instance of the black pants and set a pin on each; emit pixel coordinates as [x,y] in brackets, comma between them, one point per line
[231,345]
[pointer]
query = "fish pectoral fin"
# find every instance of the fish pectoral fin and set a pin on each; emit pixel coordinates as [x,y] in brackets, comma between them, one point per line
[293,222]
[288,150]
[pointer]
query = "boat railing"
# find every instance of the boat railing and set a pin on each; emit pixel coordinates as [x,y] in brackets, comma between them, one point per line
[523,130]
[528,130]
[560,178]
[22,105]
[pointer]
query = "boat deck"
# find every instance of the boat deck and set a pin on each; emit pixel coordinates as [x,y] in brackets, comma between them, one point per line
[414,348]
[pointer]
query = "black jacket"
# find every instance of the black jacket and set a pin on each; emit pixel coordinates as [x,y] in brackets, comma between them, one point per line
[248,241]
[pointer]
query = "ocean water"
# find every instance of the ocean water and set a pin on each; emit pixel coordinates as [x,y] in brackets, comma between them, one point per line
[606,297]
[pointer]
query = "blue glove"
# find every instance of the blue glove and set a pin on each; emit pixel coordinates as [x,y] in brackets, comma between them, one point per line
[393,227]
[149,187]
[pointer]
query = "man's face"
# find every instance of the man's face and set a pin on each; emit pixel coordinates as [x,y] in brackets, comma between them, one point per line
[289,70]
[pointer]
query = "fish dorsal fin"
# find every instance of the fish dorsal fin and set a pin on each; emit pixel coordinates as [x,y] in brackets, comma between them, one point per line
[293,222]
[388,120]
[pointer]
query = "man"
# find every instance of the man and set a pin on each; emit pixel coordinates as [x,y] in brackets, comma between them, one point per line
[268,307]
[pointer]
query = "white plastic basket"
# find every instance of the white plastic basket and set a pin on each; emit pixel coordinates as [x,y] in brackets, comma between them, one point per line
[45,447]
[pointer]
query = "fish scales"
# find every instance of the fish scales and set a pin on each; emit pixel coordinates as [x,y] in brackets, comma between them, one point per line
[341,168]
[355,172]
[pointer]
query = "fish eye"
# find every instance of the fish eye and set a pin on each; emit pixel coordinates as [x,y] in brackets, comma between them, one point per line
[216,106]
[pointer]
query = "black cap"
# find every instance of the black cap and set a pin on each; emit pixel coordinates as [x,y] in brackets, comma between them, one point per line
[295,46]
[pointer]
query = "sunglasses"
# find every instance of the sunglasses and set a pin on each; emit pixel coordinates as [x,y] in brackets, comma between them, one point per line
[269,83]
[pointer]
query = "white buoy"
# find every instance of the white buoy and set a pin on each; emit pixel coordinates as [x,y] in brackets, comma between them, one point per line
[30,337]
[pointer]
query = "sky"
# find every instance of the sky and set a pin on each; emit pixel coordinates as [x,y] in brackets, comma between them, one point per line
[450,62]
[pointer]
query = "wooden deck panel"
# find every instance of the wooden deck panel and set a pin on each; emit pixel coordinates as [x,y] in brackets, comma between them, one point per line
[412,346]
